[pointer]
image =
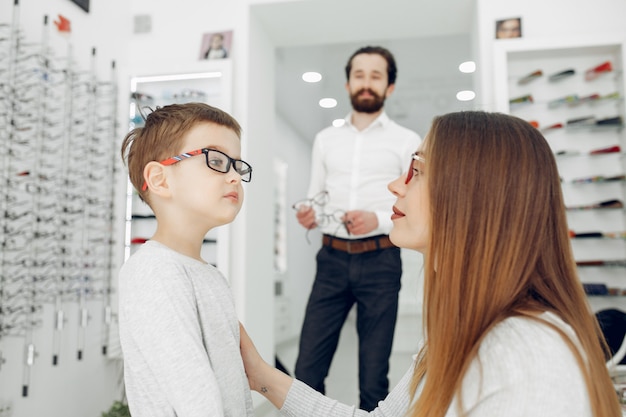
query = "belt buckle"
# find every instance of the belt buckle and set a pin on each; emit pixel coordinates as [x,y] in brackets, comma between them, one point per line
[349,247]
[354,247]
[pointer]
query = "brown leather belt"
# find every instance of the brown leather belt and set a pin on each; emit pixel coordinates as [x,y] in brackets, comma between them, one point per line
[357,246]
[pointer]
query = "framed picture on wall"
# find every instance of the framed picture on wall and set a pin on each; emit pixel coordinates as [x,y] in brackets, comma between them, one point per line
[83,4]
[216,45]
[509,28]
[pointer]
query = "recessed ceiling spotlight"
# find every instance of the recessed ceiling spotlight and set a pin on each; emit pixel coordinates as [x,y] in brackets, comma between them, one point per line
[312,77]
[465,95]
[339,122]
[467,67]
[328,103]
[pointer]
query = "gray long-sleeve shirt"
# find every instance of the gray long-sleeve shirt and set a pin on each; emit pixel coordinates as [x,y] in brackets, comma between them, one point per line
[179,334]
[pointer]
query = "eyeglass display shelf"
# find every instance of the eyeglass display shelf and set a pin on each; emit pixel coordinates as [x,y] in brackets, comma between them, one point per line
[568,100]
[607,150]
[599,179]
[141,240]
[573,91]
[584,123]
[613,204]
[597,235]
[602,263]
[601,289]
[143,217]
[564,72]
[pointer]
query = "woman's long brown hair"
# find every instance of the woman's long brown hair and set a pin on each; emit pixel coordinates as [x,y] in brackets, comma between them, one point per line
[499,247]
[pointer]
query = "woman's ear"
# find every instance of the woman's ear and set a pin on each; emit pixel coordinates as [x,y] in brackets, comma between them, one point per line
[155,176]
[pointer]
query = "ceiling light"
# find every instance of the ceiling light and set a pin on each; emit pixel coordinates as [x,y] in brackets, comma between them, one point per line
[467,67]
[328,103]
[339,122]
[466,95]
[312,77]
[158,78]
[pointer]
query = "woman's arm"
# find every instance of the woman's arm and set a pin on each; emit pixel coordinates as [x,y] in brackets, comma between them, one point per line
[296,399]
[263,378]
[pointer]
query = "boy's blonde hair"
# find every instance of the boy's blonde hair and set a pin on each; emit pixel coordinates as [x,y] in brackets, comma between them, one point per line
[161,136]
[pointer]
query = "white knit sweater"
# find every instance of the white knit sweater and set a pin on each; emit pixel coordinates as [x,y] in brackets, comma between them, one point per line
[527,371]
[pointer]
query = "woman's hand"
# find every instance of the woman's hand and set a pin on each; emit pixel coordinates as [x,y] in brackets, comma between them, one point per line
[263,378]
[253,363]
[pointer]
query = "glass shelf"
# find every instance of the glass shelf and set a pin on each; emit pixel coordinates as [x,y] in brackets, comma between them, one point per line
[599,179]
[606,263]
[597,235]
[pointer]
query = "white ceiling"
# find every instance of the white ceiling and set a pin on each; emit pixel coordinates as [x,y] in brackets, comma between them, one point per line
[314,22]
[428,38]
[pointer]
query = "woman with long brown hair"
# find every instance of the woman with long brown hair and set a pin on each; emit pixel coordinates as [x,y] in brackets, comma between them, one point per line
[507,327]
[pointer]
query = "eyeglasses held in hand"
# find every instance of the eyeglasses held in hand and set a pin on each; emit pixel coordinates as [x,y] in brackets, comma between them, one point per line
[412,169]
[319,199]
[322,219]
[216,160]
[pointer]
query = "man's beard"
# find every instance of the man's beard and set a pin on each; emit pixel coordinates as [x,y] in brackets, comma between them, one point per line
[369,105]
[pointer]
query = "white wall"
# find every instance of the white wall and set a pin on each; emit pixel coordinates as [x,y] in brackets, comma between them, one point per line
[554,19]
[298,278]
[72,388]
[254,284]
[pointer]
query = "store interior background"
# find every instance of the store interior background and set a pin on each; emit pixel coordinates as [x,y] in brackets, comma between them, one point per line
[266,36]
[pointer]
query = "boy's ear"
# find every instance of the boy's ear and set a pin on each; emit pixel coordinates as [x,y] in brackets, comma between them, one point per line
[155,176]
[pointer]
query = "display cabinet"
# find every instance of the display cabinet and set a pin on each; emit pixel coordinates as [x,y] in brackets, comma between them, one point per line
[212,86]
[573,92]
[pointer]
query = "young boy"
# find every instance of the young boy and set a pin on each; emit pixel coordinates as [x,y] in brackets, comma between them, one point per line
[178,327]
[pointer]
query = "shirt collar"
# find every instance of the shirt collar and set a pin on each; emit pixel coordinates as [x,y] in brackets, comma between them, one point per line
[382,120]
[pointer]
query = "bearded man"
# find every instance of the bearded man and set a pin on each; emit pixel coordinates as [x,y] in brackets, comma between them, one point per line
[356,264]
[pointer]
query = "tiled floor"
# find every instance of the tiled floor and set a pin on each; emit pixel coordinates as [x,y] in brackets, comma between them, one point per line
[341,383]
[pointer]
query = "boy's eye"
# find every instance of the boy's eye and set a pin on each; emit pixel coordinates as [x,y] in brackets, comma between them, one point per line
[243,171]
[216,163]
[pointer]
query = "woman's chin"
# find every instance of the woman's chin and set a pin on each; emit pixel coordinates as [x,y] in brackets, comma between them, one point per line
[397,239]
[403,242]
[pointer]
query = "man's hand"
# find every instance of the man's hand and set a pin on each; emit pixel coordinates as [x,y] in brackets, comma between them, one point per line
[306,217]
[360,222]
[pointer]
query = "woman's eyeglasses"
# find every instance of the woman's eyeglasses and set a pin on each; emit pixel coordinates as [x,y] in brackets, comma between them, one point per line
[412,169]
[216,160]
